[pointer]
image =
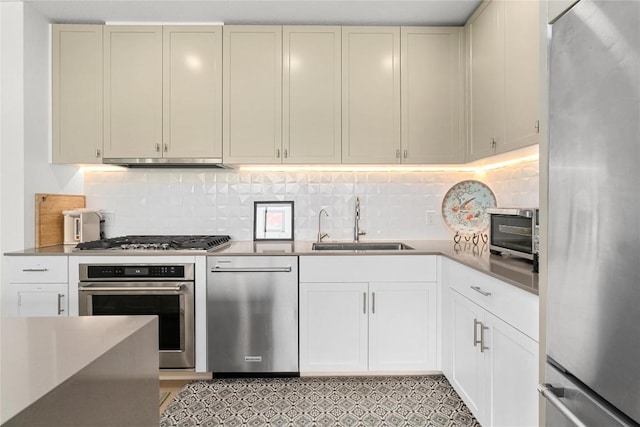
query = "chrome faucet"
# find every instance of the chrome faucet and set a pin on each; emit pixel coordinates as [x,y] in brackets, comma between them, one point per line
[356,229]
[321,235]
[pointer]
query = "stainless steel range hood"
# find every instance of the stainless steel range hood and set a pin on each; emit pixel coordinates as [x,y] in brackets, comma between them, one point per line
[167,163]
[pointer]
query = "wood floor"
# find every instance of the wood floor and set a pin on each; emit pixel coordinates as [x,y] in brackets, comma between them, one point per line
[172,386]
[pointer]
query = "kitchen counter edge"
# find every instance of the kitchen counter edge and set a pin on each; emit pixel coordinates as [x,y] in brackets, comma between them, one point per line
[512,270]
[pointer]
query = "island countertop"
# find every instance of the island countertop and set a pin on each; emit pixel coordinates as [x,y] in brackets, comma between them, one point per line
[40,354]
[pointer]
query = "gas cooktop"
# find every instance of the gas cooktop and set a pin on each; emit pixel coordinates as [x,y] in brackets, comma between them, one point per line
[156,243]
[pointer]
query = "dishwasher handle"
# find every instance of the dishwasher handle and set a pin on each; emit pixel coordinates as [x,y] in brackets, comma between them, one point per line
[218,269]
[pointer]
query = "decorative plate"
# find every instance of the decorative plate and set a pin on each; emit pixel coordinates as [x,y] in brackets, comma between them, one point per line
[464,207]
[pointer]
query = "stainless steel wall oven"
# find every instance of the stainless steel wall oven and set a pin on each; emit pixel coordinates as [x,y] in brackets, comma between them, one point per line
[165,290]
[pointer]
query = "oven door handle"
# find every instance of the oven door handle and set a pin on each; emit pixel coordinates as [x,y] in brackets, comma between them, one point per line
[176,288]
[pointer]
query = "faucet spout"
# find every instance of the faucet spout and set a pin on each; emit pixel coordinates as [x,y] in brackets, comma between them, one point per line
[356,228]
[321,235]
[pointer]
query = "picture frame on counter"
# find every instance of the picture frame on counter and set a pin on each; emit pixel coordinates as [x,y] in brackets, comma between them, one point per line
[272,220]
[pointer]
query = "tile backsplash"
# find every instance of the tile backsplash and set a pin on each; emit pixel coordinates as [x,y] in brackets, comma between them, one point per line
[205,201]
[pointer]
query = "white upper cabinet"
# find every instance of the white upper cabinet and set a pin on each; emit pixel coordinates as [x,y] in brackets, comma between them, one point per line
[133,91]
[521,74]
[192,75]
[252,94]
[77,93]
[370,94]
[163,89]
[432,95]
[503,86]
[485,81]
[311,94]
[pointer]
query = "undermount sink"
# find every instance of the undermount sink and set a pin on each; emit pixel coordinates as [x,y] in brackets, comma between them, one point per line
[360,246]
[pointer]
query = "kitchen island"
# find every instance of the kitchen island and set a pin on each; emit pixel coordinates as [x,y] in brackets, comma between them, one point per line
[72,371]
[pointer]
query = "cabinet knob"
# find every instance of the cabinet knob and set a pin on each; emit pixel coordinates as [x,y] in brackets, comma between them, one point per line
[286,153]
[537,126]
[406,154]
[277,153]
[158,148]
[493,143]
[166,147]
[98,153]
[398,153]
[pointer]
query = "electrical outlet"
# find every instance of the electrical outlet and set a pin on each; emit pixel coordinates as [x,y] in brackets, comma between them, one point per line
[109,218]
[431,215]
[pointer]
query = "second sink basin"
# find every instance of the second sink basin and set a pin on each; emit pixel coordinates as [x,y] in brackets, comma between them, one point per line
[360,246]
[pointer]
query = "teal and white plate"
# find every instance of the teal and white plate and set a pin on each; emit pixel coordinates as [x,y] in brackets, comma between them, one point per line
[464,207]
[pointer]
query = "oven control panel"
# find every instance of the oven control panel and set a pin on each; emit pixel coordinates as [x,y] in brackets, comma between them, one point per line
[133,271]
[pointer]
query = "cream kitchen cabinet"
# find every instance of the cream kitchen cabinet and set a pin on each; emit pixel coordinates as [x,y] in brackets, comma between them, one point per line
[370,313]
[37,286]
[252,94]
[493,349]
[192,91]
[371,95]
[162,92]
[432,95]
[76,90]
[502,39]
[311,94]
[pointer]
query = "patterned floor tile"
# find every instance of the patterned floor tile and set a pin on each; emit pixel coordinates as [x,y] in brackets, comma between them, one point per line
[358,401]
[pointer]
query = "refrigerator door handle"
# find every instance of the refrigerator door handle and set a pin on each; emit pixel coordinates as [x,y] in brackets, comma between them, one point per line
[553,395]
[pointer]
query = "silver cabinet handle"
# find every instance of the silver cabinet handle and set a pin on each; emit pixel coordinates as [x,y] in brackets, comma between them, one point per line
[98,153]
[217,269]
[286,153]
[493,143]
[479,290]
[482,329]
[406,154]
[166,147]
[130,288]
[537,126]
[158,147]
[32,270]
[475,332]
[398,153]
[373,303]
[553,395]
[60,309]
[364,303]
[277,153]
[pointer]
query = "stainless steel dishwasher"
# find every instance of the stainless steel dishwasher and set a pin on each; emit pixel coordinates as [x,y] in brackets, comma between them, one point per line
[252,315]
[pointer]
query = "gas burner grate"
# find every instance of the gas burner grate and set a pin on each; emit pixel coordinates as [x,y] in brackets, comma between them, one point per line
[188,242]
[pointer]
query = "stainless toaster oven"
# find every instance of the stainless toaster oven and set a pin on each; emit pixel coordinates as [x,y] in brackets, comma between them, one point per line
[515,231]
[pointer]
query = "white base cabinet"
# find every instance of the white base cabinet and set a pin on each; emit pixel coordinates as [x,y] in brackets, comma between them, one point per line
[368,322]
[493,363]
[37,287]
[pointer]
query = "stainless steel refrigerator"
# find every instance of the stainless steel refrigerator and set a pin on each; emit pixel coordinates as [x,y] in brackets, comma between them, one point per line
[593,320]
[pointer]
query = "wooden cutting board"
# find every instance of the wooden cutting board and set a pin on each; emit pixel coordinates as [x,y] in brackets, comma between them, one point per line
[49,217]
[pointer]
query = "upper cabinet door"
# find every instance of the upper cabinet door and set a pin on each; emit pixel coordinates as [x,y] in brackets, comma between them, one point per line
[431,95]
[132,91]
[486,81]
[252,94]
[192,74]
[521,73]
[311,94]
[370,94]
[77,93]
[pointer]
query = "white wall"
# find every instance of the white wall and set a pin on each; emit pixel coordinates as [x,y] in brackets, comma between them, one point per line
[39,175]
[393,204]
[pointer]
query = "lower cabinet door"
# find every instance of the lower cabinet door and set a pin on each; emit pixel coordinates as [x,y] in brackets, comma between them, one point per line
[333,327]
[467,365]
[402,326]
[33,300]
[512,375]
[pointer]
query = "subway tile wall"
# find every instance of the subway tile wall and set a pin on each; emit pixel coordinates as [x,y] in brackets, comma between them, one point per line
[206,201]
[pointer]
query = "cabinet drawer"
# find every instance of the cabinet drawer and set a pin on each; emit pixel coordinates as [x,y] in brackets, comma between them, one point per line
[514,306]
[36,269]
[369,268]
